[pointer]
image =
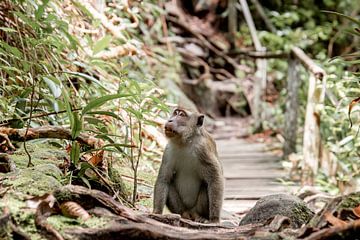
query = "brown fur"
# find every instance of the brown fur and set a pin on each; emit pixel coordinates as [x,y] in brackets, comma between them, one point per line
[190,180]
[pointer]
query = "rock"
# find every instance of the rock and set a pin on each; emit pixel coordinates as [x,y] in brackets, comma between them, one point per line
[279,204]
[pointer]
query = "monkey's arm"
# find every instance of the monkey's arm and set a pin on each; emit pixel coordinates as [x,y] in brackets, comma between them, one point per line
[215,184]
[212,174]
[163,180]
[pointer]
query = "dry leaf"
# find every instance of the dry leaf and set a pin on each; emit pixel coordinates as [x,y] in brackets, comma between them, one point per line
[336,222]
[97,158]
[351,105]
[34,202]
[74,210]
[356,211]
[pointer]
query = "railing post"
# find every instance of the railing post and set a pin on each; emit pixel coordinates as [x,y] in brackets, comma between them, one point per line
[312,140]
[312,137]
[261,74]
[292,106]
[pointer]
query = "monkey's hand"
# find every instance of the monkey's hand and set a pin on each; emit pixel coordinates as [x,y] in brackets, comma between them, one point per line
[214,220]
[157,211]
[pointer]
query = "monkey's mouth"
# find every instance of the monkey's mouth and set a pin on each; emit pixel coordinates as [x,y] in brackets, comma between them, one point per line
[170,133]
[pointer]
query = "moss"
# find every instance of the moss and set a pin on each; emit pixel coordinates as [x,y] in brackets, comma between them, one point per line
[64,195]
[62,223]
[23,216]
[302,213]
[31,181]
[350,201]
[50,170]
[40,153]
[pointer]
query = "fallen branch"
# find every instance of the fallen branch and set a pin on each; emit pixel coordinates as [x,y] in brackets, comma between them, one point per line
[209,45]
[43,211]
[9,121]
[143,226]
[347,231]
[47,132]
[260,54]
[6,223]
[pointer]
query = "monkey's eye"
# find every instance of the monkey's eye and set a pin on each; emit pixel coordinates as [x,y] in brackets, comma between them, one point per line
[182,114]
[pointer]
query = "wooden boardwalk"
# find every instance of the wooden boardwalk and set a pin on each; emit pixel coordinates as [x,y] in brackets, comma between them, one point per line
[251,172]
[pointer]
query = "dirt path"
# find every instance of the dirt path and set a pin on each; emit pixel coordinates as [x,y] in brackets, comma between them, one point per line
[251,171]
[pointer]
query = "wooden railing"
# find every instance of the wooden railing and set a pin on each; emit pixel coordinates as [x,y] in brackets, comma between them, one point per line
[312,146]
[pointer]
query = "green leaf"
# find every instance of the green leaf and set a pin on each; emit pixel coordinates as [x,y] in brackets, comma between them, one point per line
[40,10]
[118,145]
[13,50]
[136,113]
[87,77]
[102,44]
[102,100]
[87,183]
[68,107]
[83,167]
[343,15]
[54,88]
[5,29]
[106,113]
[77,126]
[75,153]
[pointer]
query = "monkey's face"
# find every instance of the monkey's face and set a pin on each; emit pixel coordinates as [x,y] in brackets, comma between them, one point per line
[183,123]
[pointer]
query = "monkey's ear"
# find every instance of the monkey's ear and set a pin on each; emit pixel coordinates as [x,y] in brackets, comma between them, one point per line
[200,120]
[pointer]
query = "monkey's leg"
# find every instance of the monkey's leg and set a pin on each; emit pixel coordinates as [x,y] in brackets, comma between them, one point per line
[200,213]
[174,202]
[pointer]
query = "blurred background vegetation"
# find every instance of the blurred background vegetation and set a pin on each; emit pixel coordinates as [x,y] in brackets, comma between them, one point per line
[115,77]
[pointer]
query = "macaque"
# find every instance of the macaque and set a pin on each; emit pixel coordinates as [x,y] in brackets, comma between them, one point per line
[190,180]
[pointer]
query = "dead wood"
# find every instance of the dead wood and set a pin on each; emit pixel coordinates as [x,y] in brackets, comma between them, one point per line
[146,231]
[89,198]
[205,58]
[262,14]
[209,45]
[259,54]
[47,132]
[350,230]
[176,220]
[7,226]
[43,211]
[130,225]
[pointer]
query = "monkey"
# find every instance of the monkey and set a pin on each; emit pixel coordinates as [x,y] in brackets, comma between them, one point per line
[190,181]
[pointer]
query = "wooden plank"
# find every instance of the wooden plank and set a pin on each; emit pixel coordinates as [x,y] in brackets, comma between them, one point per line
[248,155]
[258,188]
[231,143]
[236,141]
[229,160]
[253,166]
[253,175]
[250,172]
[236,206]
[252,182]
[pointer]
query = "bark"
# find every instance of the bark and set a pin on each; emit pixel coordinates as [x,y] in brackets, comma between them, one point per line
[47,132]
